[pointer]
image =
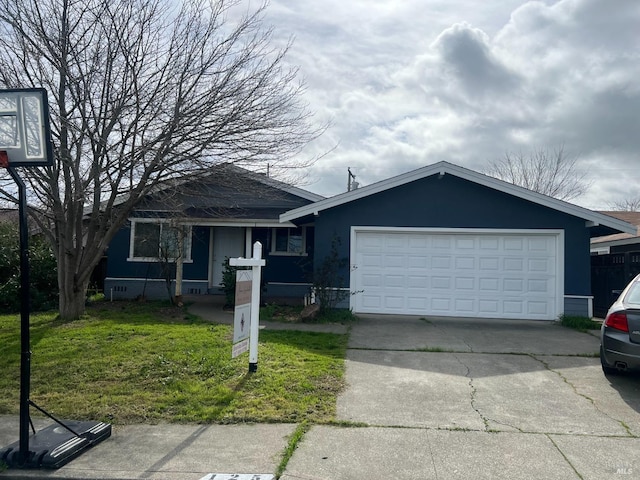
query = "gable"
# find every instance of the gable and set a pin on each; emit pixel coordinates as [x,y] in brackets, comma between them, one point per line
[448,202]
[511,194]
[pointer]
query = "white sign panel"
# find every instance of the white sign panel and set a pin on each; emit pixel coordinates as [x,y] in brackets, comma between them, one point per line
[239,348]
[242,311]
[241,322]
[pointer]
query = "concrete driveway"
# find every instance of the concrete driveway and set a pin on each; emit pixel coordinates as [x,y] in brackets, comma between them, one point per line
[458,398]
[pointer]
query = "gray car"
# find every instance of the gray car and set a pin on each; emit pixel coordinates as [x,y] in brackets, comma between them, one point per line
[620,332]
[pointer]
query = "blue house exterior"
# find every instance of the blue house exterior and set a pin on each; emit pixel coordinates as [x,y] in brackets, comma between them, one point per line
[218,217]
[447,241]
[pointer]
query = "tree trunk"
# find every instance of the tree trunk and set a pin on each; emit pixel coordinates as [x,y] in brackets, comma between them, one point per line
[73,293]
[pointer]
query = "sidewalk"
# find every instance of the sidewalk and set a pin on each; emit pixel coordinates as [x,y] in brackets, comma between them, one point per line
[165,452]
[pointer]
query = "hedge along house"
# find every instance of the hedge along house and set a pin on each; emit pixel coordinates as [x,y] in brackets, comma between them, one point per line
[447,241]
[218,216]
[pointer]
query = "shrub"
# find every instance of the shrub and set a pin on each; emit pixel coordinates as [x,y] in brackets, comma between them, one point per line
[43,277]
[328,279]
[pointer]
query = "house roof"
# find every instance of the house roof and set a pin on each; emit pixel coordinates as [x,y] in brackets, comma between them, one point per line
[620,238]
[593,219]
[228,192]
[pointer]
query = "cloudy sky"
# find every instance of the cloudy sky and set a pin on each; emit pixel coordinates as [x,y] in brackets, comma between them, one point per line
[407,83]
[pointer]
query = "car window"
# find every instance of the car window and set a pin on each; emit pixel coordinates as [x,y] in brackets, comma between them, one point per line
[633,295]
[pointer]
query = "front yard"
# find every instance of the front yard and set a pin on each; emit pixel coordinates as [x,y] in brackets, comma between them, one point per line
[146,363]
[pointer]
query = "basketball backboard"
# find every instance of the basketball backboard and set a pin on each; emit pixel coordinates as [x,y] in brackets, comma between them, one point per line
[25,134]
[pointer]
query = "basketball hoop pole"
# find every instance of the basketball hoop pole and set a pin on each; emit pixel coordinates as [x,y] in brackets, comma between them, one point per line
[25,341]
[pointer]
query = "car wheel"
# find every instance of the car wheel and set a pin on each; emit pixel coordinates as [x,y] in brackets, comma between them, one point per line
[606,368]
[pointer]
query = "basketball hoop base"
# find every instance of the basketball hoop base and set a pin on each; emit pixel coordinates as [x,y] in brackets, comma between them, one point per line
[55,446]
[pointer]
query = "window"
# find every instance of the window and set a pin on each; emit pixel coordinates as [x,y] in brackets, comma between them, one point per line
[154,241]
[288,241]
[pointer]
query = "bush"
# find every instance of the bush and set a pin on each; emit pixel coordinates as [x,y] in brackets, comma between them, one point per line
[328,279]
[43,277]
[229,283]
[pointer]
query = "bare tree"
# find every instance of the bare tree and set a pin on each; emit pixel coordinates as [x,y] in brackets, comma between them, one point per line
[141,92]
[550,172]
[627,205]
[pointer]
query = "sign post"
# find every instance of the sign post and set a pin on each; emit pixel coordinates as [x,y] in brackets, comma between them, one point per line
[256,263]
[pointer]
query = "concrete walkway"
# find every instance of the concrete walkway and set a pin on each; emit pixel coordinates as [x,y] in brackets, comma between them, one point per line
[426,399]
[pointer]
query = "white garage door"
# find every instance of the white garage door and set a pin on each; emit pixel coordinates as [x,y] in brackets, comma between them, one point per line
[464,273]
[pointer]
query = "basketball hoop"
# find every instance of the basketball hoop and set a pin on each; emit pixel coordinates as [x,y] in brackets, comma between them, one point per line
[25,141]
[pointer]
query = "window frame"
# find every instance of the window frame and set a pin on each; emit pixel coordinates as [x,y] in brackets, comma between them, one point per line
[187,258]
[302,253]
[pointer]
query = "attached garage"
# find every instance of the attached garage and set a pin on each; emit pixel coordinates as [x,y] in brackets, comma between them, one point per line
[478,273]
[444,240]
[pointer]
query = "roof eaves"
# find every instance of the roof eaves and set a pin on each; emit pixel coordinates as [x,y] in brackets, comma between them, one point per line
[442,168]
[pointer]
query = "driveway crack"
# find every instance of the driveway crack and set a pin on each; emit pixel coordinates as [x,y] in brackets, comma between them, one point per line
[474,391]
[564,456]
[473,398]
[588,398]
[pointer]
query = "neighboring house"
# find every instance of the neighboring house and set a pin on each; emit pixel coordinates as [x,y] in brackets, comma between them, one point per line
[447,241]
[615,259]
[221,215]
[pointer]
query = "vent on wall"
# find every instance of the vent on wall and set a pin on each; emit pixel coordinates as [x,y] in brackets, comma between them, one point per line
[119,288]
[195,291]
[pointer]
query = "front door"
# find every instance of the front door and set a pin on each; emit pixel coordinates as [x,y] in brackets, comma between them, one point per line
[228,242]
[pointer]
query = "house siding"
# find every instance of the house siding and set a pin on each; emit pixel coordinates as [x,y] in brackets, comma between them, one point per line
[283,276]
[452,202]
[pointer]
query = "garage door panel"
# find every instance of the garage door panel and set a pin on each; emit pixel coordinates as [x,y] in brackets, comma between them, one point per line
[439,283]
[489,307]
[513,285]
[371,260]
[464,306]
[489,263]
[540,265]
[465,263]
[417,303]
[394,261]
[465,283]
[442,242]
[441,305]
[371,280]
[537,308]
[397,281]
[465,243]
[487,275]
[418,261]
[441,262]
[511,264]
[490,285]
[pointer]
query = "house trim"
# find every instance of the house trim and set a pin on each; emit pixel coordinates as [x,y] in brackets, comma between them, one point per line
[443,168]
[588,298]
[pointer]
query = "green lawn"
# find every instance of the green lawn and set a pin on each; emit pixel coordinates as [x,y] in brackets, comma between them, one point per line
[133,362]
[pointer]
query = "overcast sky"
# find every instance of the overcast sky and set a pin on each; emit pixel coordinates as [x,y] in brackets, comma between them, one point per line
[408,83]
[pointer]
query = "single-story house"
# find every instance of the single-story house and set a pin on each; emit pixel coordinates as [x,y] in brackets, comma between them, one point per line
[447,241]
[615,259]
[222,215]
[441,240]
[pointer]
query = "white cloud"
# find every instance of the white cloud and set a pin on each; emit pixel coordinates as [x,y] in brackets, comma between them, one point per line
[408,83]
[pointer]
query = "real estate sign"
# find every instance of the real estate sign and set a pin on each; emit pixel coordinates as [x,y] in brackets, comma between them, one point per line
[242,312]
